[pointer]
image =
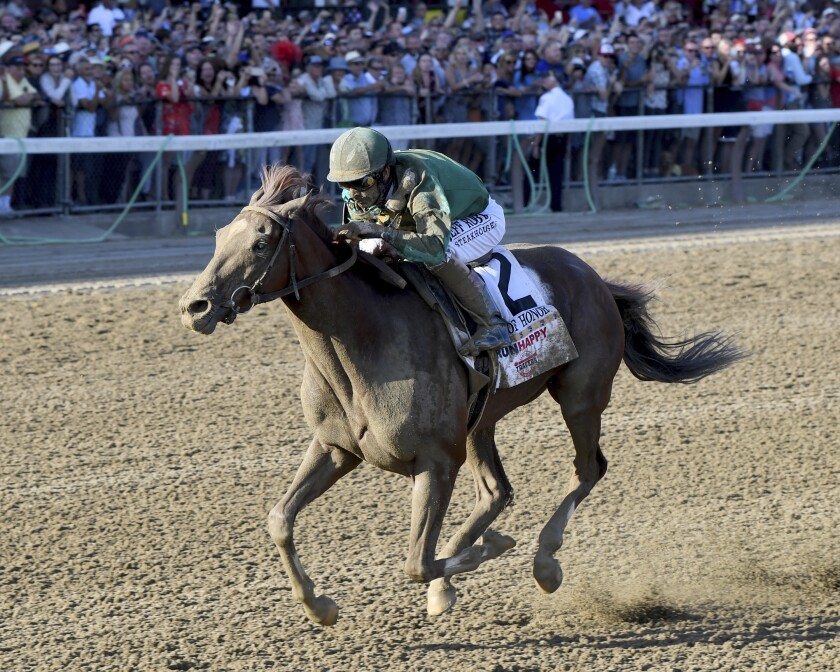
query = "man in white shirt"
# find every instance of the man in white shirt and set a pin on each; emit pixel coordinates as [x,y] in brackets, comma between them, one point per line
[85,98]
[795,135]
[319,91]
[361,88]
[105,15]
[553,105]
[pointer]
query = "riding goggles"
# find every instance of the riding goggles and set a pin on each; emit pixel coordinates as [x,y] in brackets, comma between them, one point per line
[362,184]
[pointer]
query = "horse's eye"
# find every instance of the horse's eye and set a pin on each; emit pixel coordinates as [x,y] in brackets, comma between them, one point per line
[260,245]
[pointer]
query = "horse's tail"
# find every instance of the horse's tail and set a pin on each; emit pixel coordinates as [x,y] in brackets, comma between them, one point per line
[672,360]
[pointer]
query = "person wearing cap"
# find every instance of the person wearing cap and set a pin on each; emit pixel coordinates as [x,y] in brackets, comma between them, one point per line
[633,74]
[337,108]
[360,88]
[422,206]
[600,79]
[19,96]
[318,91]
[693,73]
[554,105]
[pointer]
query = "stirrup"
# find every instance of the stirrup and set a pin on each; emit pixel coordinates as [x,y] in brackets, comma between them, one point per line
[491,337]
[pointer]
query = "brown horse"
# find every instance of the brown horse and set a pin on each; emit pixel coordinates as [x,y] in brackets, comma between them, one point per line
[383,384]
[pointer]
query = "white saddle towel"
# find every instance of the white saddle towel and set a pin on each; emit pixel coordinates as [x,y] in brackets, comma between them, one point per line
[541,340]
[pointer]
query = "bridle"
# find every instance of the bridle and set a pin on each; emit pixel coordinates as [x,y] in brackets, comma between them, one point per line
[295,285]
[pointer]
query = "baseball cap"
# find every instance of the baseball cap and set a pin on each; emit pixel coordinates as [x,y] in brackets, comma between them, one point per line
[16,60]
[354,56]
[337,63]
[315,59]
[606,49]
[786,37]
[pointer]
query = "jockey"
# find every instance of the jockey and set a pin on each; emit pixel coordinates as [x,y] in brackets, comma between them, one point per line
[424,207]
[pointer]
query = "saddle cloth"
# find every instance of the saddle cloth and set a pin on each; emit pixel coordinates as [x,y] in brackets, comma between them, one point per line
[540,338]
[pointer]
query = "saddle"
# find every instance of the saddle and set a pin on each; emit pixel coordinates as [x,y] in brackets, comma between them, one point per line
[540,340]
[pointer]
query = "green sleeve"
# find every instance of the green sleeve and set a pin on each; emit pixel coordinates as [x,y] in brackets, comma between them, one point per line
[428,245]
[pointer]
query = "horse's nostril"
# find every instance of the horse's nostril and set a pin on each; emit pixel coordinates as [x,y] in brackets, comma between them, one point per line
[198,307]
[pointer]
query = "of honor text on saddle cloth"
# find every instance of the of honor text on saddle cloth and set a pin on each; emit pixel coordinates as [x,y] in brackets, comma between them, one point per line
[541,341]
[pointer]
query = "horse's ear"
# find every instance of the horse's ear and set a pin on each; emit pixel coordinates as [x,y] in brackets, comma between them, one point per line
[258,194]
[289,209]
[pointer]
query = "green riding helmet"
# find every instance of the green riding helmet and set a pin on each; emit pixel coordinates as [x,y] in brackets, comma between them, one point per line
[357,153]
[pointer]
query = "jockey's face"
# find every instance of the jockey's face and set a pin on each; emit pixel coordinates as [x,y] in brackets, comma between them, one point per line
[366,195]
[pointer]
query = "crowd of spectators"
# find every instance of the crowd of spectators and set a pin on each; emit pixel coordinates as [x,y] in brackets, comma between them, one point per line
[136,67]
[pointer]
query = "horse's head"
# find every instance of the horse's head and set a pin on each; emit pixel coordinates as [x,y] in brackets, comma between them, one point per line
[254,253]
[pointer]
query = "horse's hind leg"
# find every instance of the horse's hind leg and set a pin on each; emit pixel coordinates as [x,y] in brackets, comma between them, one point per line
[321,467]
[582,410]
[492,494]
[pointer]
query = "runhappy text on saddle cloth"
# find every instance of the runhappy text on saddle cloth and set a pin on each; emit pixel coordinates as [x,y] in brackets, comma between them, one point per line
[540,338]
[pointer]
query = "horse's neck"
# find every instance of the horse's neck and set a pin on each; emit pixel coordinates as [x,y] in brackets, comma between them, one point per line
[334,318]
[336,327]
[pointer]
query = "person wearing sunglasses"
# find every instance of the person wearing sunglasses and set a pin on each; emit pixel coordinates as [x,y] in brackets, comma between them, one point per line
[422,206]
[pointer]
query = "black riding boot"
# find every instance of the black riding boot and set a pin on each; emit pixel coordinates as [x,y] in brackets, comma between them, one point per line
[471,292]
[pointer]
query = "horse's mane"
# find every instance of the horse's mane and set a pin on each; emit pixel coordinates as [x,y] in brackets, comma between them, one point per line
[283,183]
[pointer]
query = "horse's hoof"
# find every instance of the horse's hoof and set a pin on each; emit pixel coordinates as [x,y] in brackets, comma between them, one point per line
[440,599]
[547,573]
[495,544]
[323,611]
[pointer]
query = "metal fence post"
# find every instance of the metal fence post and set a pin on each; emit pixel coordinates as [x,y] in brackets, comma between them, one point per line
[64,176]
[640,141]
[708,133]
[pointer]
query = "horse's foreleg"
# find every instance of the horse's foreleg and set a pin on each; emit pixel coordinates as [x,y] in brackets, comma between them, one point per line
[590,465]
[321,467]
[492,493]
[433,483]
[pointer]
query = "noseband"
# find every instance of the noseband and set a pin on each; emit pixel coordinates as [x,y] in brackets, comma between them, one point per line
[294,285]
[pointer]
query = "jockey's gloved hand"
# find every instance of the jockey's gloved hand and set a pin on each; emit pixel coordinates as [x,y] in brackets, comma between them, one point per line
[377,247]
[357,229]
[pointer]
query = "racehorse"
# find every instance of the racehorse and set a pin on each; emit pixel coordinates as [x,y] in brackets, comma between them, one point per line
[383,384]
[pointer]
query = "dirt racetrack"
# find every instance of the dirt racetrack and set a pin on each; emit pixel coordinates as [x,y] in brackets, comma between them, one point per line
[140,461]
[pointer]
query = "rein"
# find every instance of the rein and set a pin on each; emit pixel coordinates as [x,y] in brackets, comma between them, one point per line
[294,284]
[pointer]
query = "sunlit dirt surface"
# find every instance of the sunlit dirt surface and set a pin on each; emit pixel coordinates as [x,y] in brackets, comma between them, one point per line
[140,460]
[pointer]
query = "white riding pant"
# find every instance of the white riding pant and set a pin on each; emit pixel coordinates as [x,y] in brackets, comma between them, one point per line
[473,237]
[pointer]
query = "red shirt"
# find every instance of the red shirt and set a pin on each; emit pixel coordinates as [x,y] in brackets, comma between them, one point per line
[176,116]
[835,85]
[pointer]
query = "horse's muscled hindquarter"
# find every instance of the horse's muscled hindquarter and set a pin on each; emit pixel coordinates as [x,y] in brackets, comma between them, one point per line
[382,383]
